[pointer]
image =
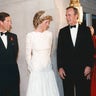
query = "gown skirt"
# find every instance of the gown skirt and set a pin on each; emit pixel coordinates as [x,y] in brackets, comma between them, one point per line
[42,83]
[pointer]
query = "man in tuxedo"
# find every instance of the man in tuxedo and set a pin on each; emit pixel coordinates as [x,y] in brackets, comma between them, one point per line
[9,73]
[75,55]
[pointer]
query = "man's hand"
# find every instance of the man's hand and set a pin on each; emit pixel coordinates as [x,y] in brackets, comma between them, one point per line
[87,72]
[62,73]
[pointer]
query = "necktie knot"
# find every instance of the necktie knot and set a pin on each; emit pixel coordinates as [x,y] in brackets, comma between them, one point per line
[74,26]
[2,33]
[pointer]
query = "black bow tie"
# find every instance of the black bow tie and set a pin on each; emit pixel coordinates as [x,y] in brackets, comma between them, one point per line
[2,33]
[74,26]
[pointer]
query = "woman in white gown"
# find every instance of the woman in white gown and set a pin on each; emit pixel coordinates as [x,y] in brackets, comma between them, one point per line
[42,80]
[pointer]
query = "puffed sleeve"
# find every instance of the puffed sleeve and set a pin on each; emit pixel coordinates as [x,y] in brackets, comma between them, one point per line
[28,51]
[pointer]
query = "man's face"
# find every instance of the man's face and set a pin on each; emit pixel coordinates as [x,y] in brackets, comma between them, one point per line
[71,17]
[6,24]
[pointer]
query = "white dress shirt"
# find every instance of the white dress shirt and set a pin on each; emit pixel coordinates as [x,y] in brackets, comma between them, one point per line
[4,39]
[73,32]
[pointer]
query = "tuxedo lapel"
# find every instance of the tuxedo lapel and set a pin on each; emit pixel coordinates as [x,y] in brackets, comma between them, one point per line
[9,41]
[70,38]
[78,36]
[2,46]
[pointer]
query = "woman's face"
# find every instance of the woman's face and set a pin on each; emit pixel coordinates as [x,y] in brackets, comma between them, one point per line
[45,24]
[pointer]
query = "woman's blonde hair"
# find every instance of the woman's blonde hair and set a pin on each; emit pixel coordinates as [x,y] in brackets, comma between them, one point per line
[39,17]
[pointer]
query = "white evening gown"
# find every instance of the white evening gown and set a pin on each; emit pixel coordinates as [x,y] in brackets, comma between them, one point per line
[42,80]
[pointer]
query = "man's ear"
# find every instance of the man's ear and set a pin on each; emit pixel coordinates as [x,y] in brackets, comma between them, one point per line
[1,22]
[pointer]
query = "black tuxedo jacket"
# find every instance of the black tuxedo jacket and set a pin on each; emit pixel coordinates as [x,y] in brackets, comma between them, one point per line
[8,66]
[75,58]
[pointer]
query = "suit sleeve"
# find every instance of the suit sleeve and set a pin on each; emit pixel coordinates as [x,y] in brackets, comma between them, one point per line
[16,46]
[59,50]
[89,49]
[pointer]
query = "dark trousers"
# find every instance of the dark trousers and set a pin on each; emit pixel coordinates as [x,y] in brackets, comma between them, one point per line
[76,86]
[9,90]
